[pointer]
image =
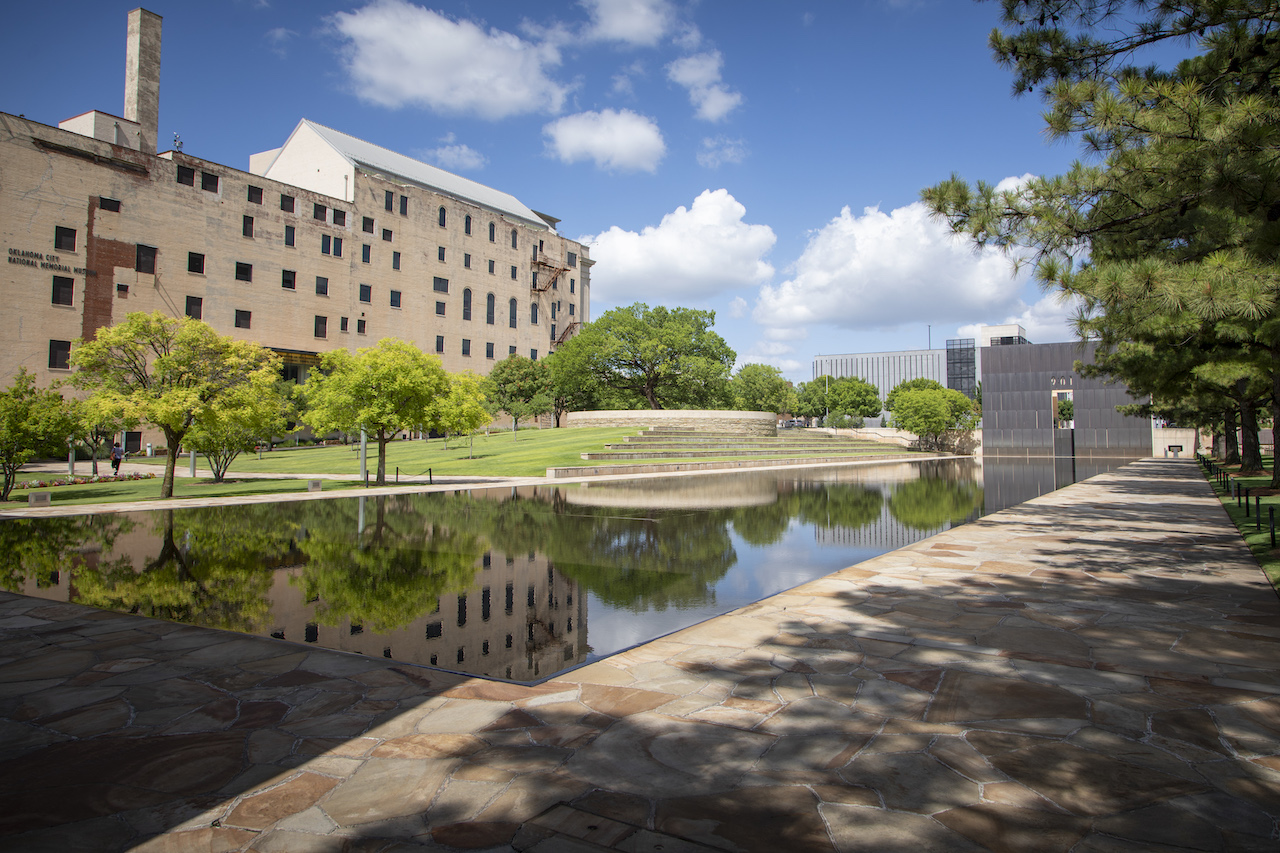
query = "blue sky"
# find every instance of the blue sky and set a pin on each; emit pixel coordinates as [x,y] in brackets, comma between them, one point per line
[761,159]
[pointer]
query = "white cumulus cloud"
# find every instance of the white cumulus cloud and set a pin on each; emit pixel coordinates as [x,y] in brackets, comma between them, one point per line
[639,23]
[880,270]
[616,140]
[693,253]
[398,54]
[455,156]
[1046,321]
[700,74]
[737,308]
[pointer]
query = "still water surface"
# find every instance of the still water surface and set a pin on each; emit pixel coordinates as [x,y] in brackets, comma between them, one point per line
[507,583]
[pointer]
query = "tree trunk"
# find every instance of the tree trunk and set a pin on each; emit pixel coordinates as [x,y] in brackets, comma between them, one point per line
[174,440]
[383,438]
[1231,453]
[1251,450]
[1275,426]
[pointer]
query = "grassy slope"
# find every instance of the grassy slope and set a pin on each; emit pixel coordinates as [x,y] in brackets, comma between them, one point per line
[1259,541]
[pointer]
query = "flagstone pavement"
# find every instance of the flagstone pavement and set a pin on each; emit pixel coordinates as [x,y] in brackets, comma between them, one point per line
[1095,670]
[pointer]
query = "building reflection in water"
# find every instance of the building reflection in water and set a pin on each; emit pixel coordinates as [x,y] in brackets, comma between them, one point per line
[494,582]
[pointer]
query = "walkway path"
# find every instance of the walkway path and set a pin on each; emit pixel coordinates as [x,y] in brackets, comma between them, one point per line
[1096,670]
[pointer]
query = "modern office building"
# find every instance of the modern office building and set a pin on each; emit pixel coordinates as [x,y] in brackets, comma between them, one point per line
[326,242]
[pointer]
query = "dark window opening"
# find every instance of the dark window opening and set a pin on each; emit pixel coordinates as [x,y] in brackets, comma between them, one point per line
[395,260]
[514,273]
[288,279]
[246,228]
[395,299]
[322,326]
[488,350]
[391,200]
[244,272]
[340,217]
[286,203]
[440,253]
[187,175]
[387,235]
[111,204]
[63,290]
[64,239]
[319,211]
[289,235]
[195,262]
[195,307]
[146,259]
[466,225]
[439,309]
[367,225]
[208,182]
[243,319]
[404,205]
[322,286]
[466,347]
[255,195]
[366,253]
[493,232]
[361,326]
[466,303]
[435,630]
[512,308]
[440,285]
[439,343]
[489,309]
[515,239]
[59,355]
[342,324]
[366,293]
[441,217]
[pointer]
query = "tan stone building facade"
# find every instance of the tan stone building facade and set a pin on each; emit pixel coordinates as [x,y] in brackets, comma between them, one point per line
[326,242]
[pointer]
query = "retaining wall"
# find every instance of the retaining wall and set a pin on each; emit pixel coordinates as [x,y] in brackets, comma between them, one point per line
[745,423]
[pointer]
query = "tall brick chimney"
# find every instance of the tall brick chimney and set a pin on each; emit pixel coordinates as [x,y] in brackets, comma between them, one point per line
[142,77]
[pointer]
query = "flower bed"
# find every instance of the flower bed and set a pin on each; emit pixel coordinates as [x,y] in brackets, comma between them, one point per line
[81,481]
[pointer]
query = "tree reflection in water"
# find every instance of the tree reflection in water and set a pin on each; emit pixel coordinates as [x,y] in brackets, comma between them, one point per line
[929,503]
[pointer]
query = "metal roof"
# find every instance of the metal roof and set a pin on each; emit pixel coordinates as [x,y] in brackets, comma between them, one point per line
[375,158]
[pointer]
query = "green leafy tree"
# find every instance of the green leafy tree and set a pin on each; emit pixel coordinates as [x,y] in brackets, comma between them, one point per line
[462,411]
[32,421]
[97,422]
[930,503]
[854,399]
[1066,410]
[251,414]
[384,390]
[762,388]
[169,372]
[521,387]
[657,357]
[933,415]
[891,398]
[1174,217]
[572,388]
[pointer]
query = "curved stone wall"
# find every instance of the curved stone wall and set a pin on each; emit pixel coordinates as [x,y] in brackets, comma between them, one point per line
[746,423]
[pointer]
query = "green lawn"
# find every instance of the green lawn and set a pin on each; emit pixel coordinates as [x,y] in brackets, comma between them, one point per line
[148,490]
[1258,540]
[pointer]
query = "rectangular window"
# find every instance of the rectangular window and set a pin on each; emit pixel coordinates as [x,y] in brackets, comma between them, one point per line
[533,355]
[534,282]
[404,205]
[466,260]
[195,262]
[573,259]
[244,272]
[511,350]
[340,217]
[491,267]
[111,204]
[366,293]
[367,225]
[439,309]
[255,195]
[513,273]
[439,343]
[571,285]
[246,227]
[395,299]
[63,289]
[208,182]
[146,259]
[440,253]
[361,326]
[386,234]
[187,175]
[290,235]
[122,290]
[488,350]
[322,326]
[553,309]
[395,260]
[322,286]
[466,347]
[342,324]
[366,252]
[391,200]
[243,318]
[440,285]
[337,247]
[570,309]
[326,244]
[195,307]
[288,279]
[64,239]
[319,211]
[286,203]
[59,355]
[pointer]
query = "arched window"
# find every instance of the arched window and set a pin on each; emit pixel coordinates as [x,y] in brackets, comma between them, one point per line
[533,313]
[493,232]
[512,314]
[442,216]
[490,308]
[515,239]
[466,303]
[466,225]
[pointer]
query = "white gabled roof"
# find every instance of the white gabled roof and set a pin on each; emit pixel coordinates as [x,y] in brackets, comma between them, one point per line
[375,158]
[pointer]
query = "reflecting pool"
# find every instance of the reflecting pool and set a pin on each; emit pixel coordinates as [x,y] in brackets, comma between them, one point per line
[507,583]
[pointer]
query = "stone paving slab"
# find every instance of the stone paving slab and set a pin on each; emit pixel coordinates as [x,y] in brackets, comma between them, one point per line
[1095,670]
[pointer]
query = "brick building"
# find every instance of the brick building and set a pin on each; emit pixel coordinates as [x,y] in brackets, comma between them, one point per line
[326,242]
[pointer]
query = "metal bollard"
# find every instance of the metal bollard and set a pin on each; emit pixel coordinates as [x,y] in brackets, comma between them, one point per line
[1257,506]
[1246,503]
[430,480]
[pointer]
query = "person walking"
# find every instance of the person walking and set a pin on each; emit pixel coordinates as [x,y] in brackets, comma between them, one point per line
[117,456]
